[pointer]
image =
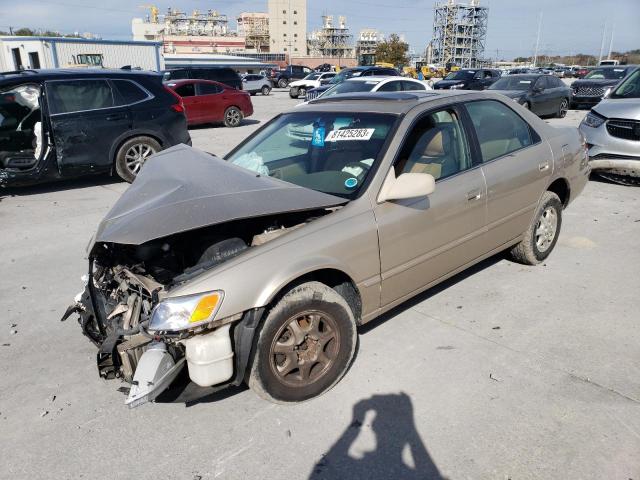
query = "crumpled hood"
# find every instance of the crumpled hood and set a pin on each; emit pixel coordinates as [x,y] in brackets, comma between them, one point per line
[182,189]
[624,108]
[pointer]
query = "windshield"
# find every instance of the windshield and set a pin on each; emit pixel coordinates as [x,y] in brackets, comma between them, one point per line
[461,75]
[513,83]
[328,152]
[351,87]
[312,76]
[630,88]
[606,74]
[344,75]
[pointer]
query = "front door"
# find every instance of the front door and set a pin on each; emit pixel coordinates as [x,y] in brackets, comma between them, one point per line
[424,239]
[86,121]
[516,165]
[212,100]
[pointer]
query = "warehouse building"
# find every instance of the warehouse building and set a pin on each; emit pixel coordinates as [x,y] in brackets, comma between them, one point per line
[17,53]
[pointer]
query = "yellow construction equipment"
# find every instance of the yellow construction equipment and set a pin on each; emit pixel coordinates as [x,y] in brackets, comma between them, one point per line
[153,12]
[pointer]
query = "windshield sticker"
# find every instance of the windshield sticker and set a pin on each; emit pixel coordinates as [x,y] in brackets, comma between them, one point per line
[618,69]
[526,82]
[349,134]
[351,182]
[318,137]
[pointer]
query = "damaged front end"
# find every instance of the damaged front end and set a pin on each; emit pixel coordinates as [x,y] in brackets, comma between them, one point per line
[173,226]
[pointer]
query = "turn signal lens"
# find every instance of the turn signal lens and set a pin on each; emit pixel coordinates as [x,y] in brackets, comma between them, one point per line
[205,308]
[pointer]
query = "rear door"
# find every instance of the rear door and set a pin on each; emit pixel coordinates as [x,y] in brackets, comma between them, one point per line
[86,120]
[516,164]
[192,106]
[212,101]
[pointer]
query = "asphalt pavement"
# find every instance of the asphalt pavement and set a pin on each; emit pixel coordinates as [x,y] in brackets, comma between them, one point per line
[503,372]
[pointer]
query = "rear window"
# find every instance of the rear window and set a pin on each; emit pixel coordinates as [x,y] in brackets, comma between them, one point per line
[68,96]
[129,91]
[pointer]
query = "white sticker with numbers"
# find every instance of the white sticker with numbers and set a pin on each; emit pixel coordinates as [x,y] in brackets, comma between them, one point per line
[350,134]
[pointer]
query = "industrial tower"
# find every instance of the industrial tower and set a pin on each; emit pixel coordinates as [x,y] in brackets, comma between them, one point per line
[459,33]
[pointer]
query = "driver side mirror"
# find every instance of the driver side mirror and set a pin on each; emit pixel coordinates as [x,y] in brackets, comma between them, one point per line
[407,185]
[538,89]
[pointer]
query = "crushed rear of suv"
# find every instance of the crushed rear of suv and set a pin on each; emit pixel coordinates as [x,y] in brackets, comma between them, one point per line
[58,124]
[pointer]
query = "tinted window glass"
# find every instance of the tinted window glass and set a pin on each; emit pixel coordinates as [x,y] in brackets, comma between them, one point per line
[436,145]
[351,87]
[499,129]
[79,95]
[209,88]
[186,90]
[391,87]
[129,92]
[412,86]
[630,88]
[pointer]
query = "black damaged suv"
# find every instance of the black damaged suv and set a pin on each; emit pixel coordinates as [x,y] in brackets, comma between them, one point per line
[67,123]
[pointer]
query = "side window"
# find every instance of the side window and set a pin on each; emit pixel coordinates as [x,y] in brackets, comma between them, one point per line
[499,129]
[391,87]
[436,145]
[540,83]
[79,95]
[412,86]
[129,92]
[186,90]
[208,89]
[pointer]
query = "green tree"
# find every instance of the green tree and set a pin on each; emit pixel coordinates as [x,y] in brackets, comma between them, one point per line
[393,50]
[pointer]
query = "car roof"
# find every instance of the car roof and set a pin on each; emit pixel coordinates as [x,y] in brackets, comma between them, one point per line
[383,102]
[25,76]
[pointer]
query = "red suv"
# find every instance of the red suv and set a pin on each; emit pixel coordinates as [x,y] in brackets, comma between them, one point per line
[206,101]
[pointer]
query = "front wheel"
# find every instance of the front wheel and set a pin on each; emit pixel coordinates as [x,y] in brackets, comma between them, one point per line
[266,90]
[294,92]
[232,117]
[562,110]
[542,235]
[305,346]
[133,154]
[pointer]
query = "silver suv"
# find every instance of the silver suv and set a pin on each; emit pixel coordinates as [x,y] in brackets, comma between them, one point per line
[612,130]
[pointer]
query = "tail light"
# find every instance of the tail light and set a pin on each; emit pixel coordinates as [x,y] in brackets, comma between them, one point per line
[178,106]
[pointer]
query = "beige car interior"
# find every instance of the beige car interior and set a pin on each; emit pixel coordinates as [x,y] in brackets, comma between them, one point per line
[20,127]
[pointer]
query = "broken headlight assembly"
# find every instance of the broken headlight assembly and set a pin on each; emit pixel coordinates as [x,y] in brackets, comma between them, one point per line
[178,314]
[593,120]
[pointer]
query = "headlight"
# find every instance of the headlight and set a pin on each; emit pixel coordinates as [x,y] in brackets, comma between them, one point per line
[183,313]
[593,120]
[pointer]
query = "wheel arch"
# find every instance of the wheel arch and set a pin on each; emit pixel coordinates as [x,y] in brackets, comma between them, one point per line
[561,187]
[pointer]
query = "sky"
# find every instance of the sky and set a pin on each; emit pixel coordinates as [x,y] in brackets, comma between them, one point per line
[568,26]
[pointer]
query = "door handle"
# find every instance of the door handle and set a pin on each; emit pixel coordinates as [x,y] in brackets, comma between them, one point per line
[116,116]
[543,167]
[474,195]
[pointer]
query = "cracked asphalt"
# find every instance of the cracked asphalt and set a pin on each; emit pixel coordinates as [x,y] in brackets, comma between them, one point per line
[503,372]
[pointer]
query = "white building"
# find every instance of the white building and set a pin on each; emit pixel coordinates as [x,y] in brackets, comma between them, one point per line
[18,53]
[288,26]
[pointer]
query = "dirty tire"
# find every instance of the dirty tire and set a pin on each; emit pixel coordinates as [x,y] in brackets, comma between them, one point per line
[127,167]
[529,251]
[288,377]
[283,83]
[294,92]
[232,117]
[266,90]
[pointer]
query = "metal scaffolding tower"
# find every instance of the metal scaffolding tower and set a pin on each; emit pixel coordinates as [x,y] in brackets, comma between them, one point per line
[331,40]
[459,33]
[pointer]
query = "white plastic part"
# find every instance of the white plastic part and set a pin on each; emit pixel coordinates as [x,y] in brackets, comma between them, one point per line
[210,357]
[154,373]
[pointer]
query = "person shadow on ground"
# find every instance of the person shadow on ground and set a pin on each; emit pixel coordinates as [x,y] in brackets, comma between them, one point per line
[398,454]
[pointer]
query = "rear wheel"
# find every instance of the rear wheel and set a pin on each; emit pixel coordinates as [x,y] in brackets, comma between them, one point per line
[283,83]
[133,154]
[542,235]
[232,117]
[266,90]
[305,346]
[562,110]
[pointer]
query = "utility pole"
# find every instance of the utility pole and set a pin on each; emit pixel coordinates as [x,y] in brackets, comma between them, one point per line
[535,55]
[604,31]
[613,26]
